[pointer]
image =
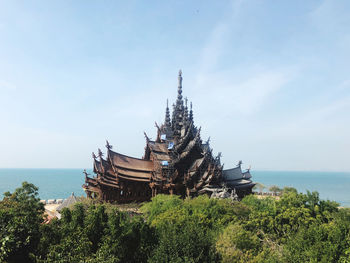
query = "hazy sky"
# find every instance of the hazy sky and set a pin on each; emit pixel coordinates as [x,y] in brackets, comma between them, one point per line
[269,80]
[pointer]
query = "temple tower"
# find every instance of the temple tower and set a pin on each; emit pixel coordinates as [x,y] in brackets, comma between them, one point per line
[179,108]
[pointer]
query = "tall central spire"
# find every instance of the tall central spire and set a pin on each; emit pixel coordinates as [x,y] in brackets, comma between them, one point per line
[179,101]
[179,107]
[179,88]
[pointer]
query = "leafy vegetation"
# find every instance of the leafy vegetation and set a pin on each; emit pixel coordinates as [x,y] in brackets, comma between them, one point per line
[294,228]
[20,219]
[275,189]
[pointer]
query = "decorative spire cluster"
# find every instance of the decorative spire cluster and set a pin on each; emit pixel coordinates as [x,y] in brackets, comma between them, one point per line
[181,116]
[175,162]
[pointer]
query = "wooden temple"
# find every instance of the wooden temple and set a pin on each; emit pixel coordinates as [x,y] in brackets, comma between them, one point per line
[176,162]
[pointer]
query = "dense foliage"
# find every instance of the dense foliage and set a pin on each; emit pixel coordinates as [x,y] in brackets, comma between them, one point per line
[20,219]
[293,227]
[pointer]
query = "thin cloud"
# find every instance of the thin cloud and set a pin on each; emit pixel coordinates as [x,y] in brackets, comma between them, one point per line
[245,96]
[244,90]
[212,50]
[331,15]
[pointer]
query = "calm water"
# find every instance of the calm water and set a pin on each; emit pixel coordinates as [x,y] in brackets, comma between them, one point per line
[60,183]
[52,183]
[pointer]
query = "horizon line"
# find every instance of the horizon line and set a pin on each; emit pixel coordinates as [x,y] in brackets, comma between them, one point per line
[258,170]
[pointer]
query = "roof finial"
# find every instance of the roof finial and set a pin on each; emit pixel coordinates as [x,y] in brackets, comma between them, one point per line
[86,173]
[208,141]
[248,170]
[93,155]
[218,158]
[108,146]
[147,138]
[100,153]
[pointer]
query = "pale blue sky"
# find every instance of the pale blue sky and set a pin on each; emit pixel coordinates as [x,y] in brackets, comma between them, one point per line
[269,80]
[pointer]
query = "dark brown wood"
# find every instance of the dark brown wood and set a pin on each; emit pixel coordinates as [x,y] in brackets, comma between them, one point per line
[177,162]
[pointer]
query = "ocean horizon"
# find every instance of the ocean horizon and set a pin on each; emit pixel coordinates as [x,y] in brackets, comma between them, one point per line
[60,183]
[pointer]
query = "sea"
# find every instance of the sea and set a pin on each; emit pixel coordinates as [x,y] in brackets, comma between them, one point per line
[61,183]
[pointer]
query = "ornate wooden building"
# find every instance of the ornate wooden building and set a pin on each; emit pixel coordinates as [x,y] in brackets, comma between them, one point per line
[176,162]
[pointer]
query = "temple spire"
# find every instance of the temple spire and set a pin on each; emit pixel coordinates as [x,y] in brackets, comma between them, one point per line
[173,118]
[179,108]
[179,89]
[179,101]
[185,116]
[167,115]
[191,113]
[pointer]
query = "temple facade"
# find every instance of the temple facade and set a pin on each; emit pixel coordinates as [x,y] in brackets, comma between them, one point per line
[176,162]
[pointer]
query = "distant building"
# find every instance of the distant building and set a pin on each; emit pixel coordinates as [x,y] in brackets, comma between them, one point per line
[176,162]
[66,203]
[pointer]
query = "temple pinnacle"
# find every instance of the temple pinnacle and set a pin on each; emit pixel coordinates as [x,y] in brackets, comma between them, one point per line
[185,115]
[167,115]
[179,91]
[191,113]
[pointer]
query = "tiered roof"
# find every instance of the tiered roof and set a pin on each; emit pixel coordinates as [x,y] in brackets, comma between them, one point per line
[176,162]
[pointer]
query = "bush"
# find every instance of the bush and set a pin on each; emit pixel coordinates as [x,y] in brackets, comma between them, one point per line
[21,214]
[236,244]
[296,228]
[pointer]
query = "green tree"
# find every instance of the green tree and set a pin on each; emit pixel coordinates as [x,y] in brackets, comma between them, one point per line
[317,243]
[160,204]
[184,239]
[126,239]
[79,232]
[21,214]
[288,189]
[262,214]
[187,228]
[51,235]
[259,186]
[275,189]
[236,244]
[95,225]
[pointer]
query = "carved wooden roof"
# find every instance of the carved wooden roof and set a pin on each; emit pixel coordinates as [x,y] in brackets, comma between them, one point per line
[158,146]
[133,173]
[233,174]
[129,163]
[187,162]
